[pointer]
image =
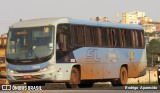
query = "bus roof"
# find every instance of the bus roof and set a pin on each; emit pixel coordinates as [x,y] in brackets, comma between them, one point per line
[52,21]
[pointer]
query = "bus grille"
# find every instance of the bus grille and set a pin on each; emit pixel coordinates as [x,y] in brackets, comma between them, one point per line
[27,71]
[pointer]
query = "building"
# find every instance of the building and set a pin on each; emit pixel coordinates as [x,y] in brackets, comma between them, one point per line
[100,18]
[157,24]
[158,27]
[132,17]
[149,27]
[152,27]
[144,20]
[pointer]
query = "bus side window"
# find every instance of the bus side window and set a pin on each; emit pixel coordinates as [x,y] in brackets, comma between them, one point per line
[61,41]
[136,38]
[135,42]
[117,37]
[105,36]
[110,37]
[62,37]
[114,40]
[141,39]
[122,38]
[99,36]
[128,38]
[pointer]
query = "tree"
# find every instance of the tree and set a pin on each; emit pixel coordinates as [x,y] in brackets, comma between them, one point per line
[152,47]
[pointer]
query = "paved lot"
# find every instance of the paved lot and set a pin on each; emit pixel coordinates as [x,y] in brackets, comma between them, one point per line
[96,89]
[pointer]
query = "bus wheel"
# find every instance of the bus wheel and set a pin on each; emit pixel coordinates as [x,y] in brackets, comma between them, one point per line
[74,79]
[158,75]
[86,84]
[123,76]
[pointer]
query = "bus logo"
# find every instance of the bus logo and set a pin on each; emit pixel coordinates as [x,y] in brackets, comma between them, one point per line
[92,55]
[112,56]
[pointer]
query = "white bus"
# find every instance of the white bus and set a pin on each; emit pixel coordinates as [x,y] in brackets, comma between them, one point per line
[75,52]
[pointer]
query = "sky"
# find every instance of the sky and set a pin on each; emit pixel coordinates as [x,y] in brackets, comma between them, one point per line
[12,11]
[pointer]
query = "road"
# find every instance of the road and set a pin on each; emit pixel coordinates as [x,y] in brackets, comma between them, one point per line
[85,91]
[60,88]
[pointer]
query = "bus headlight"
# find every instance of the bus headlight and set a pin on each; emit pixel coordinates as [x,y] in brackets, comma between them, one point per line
[159,69]
[44,69]
[47,68]
[11,71]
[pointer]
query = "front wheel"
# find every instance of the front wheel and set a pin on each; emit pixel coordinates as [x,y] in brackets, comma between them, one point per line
[74,78]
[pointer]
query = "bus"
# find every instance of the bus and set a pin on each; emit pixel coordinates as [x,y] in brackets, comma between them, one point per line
[76,52]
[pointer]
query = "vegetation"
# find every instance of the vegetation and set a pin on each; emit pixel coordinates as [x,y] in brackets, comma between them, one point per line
[152,47]
[150,34]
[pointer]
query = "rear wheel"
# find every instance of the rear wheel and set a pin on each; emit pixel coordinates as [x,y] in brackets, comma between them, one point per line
[74,79]
[123,78]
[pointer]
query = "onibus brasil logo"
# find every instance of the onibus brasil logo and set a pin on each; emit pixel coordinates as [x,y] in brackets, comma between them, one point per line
[14,87]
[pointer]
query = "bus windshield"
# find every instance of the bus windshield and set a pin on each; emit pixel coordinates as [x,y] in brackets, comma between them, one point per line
[28,44]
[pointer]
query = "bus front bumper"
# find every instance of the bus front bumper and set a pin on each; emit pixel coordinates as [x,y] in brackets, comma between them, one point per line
[31,78]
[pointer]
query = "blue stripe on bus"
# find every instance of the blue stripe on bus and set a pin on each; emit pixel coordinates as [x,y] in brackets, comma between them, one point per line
[27,67]
[103,54]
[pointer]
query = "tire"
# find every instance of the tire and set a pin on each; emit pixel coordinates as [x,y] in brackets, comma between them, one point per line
[86,84]
[158,76]
[123,78]
[74,78]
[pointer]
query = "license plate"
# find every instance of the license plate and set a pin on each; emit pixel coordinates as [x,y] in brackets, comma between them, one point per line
[27,76]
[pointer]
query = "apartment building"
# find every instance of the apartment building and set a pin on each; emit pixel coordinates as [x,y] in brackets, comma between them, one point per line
[132,17]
